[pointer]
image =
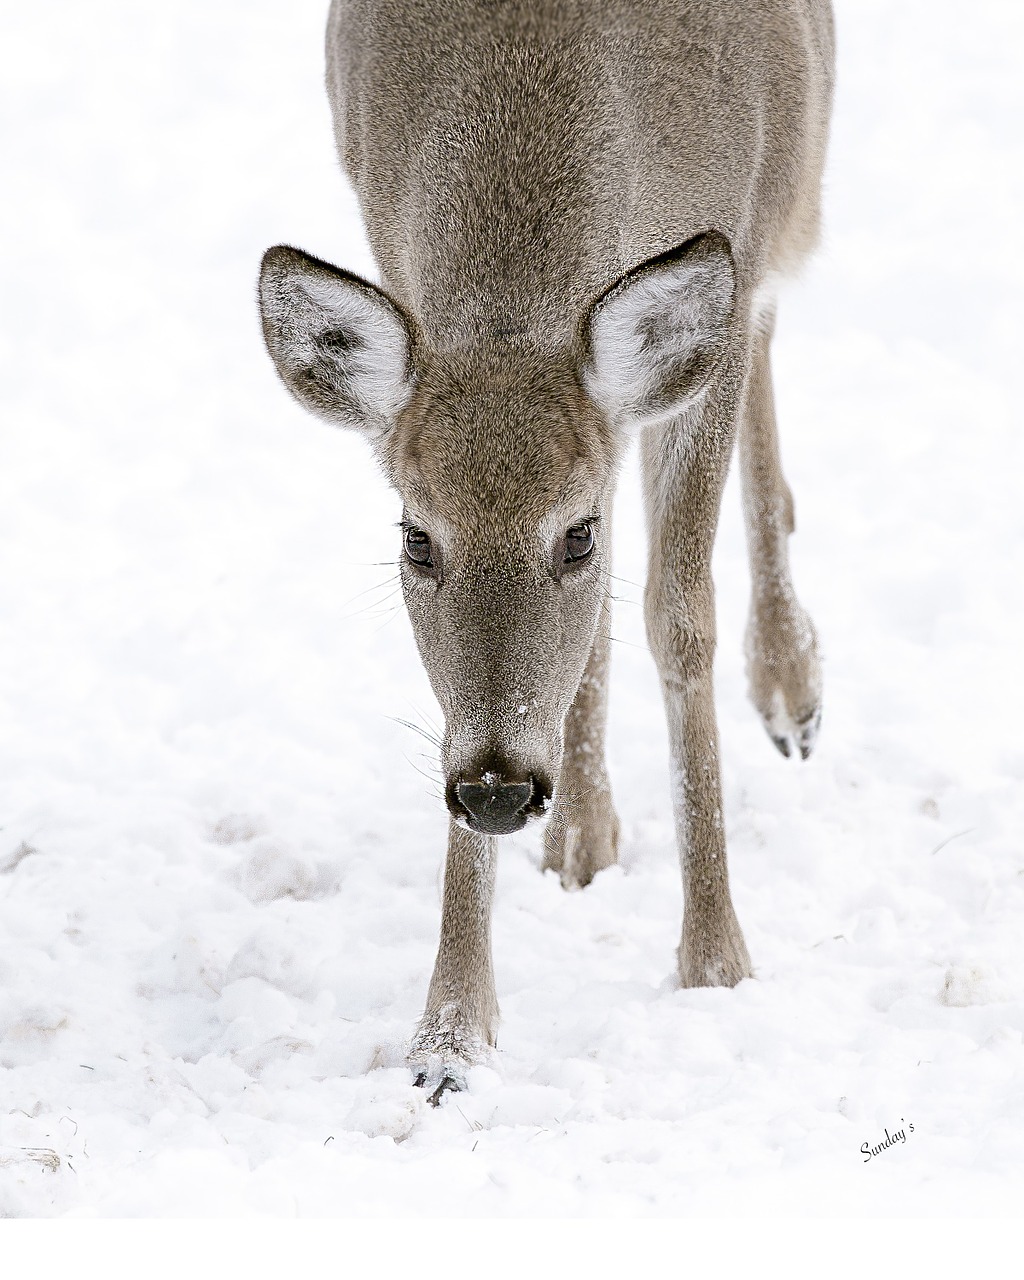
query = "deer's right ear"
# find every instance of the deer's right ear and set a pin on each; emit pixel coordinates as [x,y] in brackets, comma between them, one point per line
[342,347]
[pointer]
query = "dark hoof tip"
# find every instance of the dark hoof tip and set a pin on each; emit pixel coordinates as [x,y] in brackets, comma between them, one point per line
[782,744]
[448,1084]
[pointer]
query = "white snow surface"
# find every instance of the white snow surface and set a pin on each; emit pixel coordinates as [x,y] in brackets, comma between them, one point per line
[221,852]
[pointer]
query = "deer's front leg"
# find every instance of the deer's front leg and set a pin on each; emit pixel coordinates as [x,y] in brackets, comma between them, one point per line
[685,464]
[583,834]
[460,1023]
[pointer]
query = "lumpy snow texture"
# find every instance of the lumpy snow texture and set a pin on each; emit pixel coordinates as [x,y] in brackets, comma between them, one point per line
[221,849]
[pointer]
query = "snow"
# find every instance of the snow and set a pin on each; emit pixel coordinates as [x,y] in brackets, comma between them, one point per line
[221,848]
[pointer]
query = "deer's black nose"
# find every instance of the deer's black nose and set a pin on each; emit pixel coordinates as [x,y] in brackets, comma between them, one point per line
[494,807]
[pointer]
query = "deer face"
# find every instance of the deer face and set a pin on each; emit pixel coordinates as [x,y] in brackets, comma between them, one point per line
[505,459]
[506,471]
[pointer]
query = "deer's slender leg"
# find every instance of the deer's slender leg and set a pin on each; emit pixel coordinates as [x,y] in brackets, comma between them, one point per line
[685,463]
[583,834]
[460,1022]
[783,668]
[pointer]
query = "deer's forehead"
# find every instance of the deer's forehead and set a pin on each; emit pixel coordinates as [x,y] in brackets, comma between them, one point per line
[501,460]
[503,507]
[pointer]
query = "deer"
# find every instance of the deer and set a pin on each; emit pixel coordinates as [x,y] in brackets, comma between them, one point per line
[581,212]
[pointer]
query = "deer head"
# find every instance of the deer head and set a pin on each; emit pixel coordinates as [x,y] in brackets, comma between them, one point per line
[504,455]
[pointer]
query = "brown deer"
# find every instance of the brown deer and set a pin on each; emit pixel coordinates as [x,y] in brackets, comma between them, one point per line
[580,210]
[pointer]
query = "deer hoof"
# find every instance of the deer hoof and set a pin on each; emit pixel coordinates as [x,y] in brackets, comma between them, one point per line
[797,735]
[448,1083]
[444,1049]
[784,674]
[579,850]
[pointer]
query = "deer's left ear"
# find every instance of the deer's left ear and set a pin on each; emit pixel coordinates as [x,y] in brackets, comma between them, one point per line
[654,338]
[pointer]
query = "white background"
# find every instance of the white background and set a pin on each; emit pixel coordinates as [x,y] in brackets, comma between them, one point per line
[219,861]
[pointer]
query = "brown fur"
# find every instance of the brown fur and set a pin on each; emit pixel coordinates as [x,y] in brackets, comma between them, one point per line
[579,209]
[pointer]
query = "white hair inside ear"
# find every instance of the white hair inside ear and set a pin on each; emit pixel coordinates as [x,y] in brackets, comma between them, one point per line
[655,336]
[340,345]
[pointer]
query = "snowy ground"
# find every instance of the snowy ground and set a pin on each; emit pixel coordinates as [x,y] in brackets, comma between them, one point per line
[220,865]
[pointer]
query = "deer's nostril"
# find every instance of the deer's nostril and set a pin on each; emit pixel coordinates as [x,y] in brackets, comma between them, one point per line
[495,808]
[540,794]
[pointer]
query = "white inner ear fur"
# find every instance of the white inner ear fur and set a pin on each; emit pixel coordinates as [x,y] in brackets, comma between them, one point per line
[380,370]
[363,374]
[653,327]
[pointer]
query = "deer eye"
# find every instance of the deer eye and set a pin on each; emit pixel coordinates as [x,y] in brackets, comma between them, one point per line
[417,547]
[579,542]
